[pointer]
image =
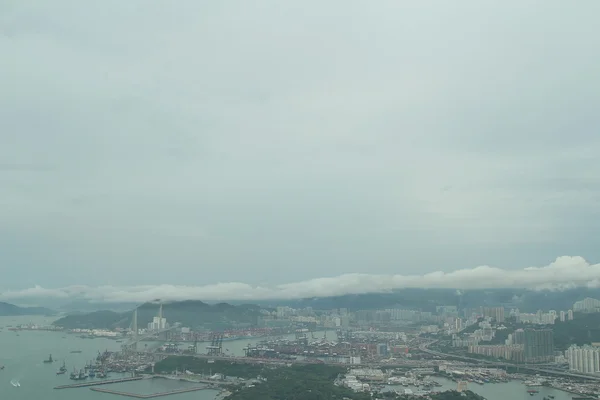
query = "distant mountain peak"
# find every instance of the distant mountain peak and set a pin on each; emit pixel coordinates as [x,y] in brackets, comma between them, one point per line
[8,309]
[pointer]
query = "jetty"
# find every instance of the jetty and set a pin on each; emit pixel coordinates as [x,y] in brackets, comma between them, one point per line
[148,396]
[98,383]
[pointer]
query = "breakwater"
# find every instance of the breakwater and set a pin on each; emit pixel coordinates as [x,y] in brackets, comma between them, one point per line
[98,383]
[148,396]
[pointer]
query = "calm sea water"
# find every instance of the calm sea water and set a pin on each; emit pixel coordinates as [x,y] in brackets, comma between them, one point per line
[22,353]
[513,390]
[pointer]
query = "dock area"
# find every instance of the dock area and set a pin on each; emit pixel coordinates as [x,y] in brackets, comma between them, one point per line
[149,396]
[98,383]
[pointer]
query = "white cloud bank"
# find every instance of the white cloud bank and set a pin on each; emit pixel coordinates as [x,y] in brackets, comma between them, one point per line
[564,272]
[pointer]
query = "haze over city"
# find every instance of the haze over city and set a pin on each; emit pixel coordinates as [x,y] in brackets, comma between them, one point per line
[253,150]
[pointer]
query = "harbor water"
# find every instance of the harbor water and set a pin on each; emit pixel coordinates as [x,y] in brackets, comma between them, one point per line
[23,352]
[513,390]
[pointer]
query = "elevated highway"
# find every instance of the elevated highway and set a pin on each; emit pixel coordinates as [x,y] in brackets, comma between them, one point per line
[424,348]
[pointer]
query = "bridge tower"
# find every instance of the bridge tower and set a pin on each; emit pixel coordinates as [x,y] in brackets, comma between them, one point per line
[134,329]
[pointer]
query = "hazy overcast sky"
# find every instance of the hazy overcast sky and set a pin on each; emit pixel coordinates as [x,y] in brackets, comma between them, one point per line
[267,142]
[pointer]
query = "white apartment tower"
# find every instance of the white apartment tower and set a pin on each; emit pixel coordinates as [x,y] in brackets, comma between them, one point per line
[458,325]
[584,359]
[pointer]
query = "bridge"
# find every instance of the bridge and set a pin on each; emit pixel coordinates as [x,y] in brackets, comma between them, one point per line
[133,342]
[131,345]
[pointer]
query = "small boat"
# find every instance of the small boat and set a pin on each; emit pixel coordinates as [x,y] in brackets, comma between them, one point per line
[75,351]
[49,360]
[62,369]
[78,376]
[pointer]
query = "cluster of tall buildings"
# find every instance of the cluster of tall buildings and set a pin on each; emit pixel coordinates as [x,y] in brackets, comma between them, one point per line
[524,345]
[542,318]
[283,316]
[485,333]
[496,313]
[458,341]
[584,359]
[509,352]
[587,305]
[397,314]
[538,344]
[157,324]
[566,316]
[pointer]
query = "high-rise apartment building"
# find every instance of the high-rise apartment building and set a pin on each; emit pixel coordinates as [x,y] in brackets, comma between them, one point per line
[584,359]
[538,345]
[497,313]
[518,337]
[563,316]
[509,352]
[587,305]
[158,324]
[458,324]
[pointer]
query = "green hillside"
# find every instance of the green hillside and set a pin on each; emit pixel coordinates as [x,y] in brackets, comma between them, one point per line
[9,310]
[191,313]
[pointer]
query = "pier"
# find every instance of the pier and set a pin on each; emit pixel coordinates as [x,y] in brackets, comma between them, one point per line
[98,383]
[149,396]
